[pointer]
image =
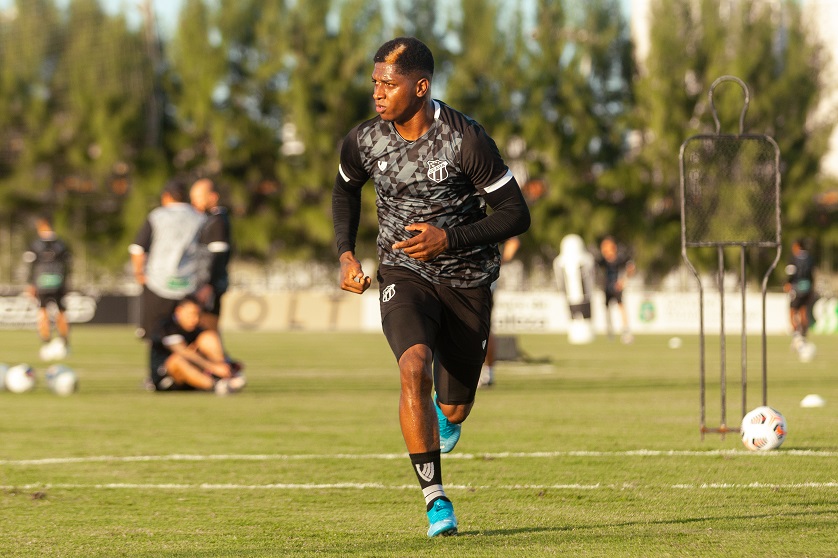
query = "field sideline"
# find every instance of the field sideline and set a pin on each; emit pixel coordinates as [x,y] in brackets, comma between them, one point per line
[583,451]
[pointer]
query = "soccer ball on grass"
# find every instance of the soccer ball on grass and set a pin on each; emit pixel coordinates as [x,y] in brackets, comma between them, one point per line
[61,380]
[763,429]
[20,378]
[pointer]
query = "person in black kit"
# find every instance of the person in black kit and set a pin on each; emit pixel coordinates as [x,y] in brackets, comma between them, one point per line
[616,265]
[184,356]
[216,236]
[800,287]
[49,260]
[434,171]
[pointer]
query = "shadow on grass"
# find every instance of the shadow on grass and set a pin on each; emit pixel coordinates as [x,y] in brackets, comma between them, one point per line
[681,521]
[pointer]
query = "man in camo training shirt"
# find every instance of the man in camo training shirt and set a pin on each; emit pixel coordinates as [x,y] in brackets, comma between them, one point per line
[167,257]
[434,170]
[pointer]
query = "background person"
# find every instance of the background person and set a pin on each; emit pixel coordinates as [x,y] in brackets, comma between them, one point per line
[800,288]
[616,266]
[216,236]
[434,170]
[166,255]
[184,356]
[487,373]
[49,262]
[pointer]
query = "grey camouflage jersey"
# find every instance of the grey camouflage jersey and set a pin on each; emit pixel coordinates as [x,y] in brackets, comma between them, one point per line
[437,179]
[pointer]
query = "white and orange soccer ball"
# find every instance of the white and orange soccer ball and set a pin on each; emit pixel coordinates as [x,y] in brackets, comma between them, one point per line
[763,429]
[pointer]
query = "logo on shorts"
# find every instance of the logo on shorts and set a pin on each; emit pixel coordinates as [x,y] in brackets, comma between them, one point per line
[388,293]
[425,470]
[382,165]
[436,170]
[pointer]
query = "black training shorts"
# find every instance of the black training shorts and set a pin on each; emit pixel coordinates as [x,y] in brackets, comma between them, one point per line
[453,322]
[799,300]
[154,309]
[56,297]
[159,375]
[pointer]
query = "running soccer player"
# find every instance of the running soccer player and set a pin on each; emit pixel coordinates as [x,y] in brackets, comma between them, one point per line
[434,170]
[49,266]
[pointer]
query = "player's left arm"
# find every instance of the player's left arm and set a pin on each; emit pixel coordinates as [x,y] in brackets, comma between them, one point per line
[67,261]
[483,163]
[217,241]
[510,217]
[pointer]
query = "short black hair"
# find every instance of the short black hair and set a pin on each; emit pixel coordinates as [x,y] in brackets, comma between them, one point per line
[408,54]
[189,299]
[178,188]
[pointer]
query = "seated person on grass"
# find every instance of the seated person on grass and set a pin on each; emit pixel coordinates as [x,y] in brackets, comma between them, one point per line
[186,357]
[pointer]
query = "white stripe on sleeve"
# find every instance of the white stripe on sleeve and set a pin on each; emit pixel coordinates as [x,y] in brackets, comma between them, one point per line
[497,185]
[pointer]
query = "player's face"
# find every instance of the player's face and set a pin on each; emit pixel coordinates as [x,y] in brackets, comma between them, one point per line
[201,195]
[188,315]
[395,94]
[608,249]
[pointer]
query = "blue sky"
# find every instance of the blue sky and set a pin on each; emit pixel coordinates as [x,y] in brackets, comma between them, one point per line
[166,10]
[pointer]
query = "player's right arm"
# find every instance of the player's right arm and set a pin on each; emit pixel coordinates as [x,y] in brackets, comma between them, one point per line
[138,250]
[352,276]
[30,257]
[346,213]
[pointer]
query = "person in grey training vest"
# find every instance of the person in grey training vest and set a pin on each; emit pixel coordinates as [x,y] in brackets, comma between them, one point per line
[167,257]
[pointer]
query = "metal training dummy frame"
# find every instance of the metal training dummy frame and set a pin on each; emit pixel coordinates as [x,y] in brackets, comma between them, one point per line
[730,196]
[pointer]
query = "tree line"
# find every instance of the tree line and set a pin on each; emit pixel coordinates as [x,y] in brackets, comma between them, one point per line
[96,113]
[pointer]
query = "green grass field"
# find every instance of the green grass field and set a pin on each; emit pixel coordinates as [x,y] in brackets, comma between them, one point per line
[590,451]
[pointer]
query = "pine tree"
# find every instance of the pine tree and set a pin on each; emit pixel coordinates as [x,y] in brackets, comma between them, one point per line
[765,45]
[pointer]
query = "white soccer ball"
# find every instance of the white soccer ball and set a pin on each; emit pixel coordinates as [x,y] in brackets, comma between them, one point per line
[763,429]
[61,380]
[20,378]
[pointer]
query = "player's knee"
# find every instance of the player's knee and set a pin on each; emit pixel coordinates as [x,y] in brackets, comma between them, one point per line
[415,366]
[457,413]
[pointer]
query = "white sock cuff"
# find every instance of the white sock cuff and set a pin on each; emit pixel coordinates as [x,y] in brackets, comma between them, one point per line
[433,492]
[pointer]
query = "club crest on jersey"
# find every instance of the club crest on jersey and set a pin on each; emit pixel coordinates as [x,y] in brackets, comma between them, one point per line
[437,170]
[388,293]
[382,165]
